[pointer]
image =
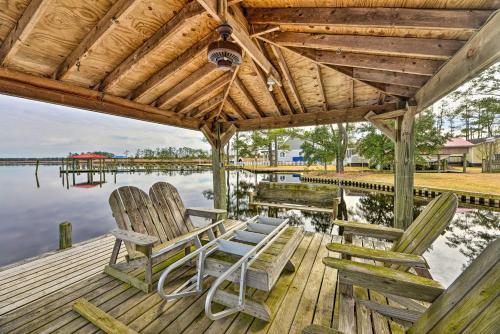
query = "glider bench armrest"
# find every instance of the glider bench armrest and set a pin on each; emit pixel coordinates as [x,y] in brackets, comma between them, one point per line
[369,230]
[385,280]
[403,259]
[138,239]
[206,212]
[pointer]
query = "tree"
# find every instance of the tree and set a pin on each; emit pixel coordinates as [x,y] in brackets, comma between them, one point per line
[323,144]
[379,149]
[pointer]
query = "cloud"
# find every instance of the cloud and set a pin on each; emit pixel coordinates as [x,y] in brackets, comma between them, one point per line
[37,129]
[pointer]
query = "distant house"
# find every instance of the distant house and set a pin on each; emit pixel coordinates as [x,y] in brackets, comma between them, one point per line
[480,150]
[353,158]
[455,150]
[293,153]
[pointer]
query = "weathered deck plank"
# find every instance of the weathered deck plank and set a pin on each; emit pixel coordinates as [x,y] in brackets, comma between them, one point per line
[308,295]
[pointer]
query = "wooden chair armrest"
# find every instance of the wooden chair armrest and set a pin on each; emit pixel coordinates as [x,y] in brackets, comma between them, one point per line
[135,238]
[385,280]
[404,259]
[206,212]
[369,230]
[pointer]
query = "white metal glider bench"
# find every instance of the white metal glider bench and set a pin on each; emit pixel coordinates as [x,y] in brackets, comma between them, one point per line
[251,254]
[153,229]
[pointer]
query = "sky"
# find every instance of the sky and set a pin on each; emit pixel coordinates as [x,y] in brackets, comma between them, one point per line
[36,129]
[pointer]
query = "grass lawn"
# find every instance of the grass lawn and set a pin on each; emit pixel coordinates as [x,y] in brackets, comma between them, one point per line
[473,180]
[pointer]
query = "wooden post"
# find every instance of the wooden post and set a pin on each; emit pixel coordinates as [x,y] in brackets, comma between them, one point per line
[218,175]
[465,162]
[65,235]
[36,169]
[439,163]
[404,169]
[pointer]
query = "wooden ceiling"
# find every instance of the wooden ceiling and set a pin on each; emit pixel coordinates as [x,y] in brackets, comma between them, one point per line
[333,61]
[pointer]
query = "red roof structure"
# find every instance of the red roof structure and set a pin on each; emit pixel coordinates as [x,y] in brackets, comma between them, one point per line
[458,142]
[88,156]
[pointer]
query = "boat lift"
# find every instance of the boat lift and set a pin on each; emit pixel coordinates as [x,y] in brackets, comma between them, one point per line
[247,239]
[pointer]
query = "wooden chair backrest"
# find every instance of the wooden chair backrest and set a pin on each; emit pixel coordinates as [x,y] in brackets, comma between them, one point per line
[429,224]
[133,211]
[171,210]
[471,304]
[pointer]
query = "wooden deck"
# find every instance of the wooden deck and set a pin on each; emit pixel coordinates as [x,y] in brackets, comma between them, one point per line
[51,284]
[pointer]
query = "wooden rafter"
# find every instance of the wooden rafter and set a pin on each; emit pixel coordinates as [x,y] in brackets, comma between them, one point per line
[166,31]
[241,36]
[22,29]
[288,76]
[321,88]
[241,87]
[58,92]
[480,52]
[228,88]
[235,107]
[375,62]
[206,106]
[262,29]
[439,49]
[262,79]
[203,94]
[394,78]
[194,77]
[112,18]
[350,115]
[171,68]
[450,19]
[345,71]
[279,88]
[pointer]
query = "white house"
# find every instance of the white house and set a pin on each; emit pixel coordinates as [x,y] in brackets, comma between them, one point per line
[353,158]
[293,153]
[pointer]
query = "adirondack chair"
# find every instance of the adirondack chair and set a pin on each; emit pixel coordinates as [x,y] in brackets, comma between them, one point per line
[471,304]
[409,245]
[147,227]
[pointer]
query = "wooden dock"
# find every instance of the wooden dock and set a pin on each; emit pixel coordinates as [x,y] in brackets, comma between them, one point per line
[52,283]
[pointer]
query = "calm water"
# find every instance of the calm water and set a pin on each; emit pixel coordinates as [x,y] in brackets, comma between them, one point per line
[30,212]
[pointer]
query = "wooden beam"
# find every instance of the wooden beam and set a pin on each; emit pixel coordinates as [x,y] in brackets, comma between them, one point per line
[166,31]
[393,78]
[388,115]
[227,134]
[184,106]
[375,62]
[21,29]
[111,19]
[262,29]
[321,88]
[235,107]
[209,135]
[398,90]
[427,48]
[355,114]
[52,91]
[239,84]
[480,52]
[197,75]
[288,76]
[207,106]
[171,68]
[385,128]
[226,92]
[393,18]
[241,36]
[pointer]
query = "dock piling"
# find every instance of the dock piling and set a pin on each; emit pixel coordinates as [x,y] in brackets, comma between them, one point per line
[65,238]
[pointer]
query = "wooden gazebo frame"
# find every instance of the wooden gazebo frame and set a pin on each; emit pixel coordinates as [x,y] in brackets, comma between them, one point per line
[332,61]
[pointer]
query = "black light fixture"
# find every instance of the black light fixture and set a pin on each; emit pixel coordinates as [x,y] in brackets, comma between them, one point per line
[223,53]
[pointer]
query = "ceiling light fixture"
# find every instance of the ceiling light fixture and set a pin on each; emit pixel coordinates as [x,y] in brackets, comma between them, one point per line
[223,53]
